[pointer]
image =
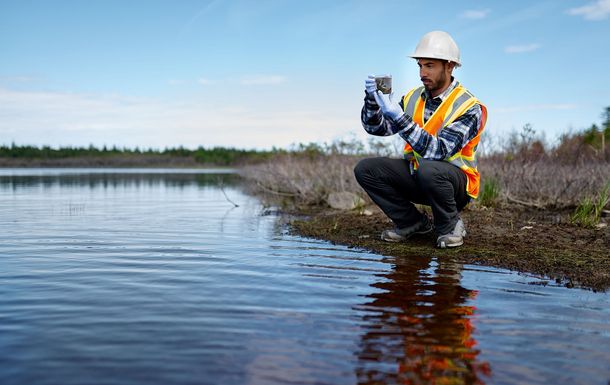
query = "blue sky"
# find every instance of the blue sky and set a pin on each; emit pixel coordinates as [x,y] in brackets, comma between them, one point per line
[256,74]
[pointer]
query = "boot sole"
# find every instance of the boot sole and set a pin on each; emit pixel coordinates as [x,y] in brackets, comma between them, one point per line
[443,245]
[407,238]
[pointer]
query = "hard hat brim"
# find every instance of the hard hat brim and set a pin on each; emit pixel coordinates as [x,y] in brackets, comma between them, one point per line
[457,63]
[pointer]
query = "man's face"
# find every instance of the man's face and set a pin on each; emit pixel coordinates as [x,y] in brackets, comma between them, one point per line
[435,74]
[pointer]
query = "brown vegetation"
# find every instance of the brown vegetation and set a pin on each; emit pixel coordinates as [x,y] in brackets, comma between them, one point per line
[560,177]
[521,172]
[304,180]
[541,183]
[538,211]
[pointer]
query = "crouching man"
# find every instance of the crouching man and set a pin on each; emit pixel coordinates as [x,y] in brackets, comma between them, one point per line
[441,123]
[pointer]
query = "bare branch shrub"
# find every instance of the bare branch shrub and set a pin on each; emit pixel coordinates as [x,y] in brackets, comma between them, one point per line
[543,183]
[307,180]
[546,183]
[559,177]
[523,170]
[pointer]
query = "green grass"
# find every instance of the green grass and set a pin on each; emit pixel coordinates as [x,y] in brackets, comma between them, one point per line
[490,192]
[589,211]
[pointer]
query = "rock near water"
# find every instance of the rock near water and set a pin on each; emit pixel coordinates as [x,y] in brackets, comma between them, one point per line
[344,200]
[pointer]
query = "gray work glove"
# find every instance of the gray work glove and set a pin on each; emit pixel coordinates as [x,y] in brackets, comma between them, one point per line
[370,85]
[389,108]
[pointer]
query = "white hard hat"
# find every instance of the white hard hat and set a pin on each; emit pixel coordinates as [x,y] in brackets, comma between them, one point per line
[437,45]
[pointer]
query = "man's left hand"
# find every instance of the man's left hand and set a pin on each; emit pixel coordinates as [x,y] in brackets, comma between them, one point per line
[389,108]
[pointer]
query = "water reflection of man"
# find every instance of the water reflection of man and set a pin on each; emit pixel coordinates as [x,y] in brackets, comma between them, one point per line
[419,328]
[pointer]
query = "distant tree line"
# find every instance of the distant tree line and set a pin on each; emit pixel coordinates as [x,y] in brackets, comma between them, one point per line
[222,156]
[589,144]
[598,137]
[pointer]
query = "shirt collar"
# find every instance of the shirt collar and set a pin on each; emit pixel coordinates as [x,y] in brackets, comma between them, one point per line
[443,96]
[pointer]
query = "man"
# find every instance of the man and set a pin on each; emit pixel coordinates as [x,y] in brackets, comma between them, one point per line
[441,123]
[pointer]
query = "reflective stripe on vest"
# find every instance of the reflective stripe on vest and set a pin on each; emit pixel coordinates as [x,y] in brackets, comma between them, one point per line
[455,105]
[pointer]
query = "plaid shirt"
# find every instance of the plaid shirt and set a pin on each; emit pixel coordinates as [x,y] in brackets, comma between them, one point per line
[448,141]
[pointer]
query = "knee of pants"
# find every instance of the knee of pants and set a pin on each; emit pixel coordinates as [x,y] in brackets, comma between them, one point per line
[362,168]
[427,173]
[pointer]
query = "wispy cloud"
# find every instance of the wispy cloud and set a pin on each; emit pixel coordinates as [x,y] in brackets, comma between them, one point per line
[598,10]
[204,11]
[521,48]
[246,80]
[536,107]
[475,14]
[60,118]
[262,80]
[204,81]
[175,82]
[17,79]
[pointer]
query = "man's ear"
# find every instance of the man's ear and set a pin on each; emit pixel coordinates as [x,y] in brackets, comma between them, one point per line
[451,66]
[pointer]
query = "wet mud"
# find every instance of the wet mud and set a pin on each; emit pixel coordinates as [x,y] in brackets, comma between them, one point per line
[525,240]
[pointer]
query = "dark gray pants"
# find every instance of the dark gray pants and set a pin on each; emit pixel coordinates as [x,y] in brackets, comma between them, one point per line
[438,184]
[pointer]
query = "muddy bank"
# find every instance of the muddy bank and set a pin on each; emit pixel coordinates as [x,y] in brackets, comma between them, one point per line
[525,240]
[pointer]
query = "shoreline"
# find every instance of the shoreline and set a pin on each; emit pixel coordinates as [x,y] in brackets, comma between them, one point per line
[510,236]
[108,162]
[526,240]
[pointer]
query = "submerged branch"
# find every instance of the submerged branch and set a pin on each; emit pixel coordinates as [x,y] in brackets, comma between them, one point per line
[221,185]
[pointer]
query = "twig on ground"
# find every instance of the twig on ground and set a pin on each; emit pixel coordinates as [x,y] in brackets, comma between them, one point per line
[275,192]
[524,203]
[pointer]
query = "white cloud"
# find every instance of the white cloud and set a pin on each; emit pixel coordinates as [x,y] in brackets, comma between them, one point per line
[247,80]
[522,48]
[475,14]
[535,107]
[175,82]
[59,118]
[17,79]
[262,80]
[598,10]
[204,81]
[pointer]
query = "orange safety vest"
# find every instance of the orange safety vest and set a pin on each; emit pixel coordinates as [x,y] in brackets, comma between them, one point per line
[454,106]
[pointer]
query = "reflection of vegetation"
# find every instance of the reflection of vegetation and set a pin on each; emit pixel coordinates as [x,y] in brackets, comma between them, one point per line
[115,180]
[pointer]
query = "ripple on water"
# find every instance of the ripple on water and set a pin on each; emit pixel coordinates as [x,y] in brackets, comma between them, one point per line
[149,277]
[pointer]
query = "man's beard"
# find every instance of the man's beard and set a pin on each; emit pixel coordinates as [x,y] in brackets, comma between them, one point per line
[435,85]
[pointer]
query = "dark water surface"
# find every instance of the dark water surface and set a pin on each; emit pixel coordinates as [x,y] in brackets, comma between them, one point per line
[152,277]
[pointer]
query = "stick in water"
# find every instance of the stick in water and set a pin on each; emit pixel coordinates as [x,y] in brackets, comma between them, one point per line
[225,194]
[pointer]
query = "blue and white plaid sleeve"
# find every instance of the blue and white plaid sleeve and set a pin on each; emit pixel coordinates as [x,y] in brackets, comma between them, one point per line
[373,120]
[448,141]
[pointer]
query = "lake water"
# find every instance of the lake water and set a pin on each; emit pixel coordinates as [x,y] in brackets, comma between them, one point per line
[153,277]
